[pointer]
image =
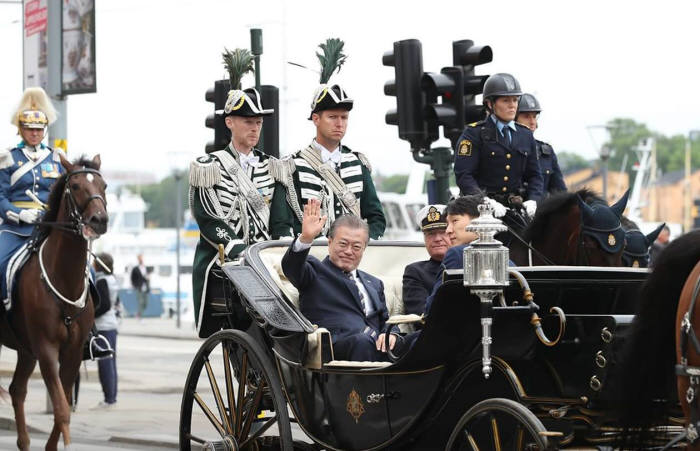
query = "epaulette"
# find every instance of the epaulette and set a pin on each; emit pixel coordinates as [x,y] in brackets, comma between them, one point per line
[281,168]
[204,172]
[522,125]
[363,158]
[6,159]
[474,124]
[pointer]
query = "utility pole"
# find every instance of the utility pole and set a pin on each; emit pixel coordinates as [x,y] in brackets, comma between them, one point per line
[58,131]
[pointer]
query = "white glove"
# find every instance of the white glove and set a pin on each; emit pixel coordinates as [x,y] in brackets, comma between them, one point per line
[30,216]
[499,210]
[530,207]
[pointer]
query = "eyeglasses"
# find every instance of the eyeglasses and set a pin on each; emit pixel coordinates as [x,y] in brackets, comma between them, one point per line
[355,247]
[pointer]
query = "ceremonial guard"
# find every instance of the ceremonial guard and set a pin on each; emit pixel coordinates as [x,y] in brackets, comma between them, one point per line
[528,114]
[230,189]
[340,178]
[497,155]
[27,172]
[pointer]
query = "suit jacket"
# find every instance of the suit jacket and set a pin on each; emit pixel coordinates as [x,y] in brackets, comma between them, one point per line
[418,281]
[330,299]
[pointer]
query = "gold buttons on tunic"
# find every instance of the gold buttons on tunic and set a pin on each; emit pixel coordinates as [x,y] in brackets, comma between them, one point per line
[547,171]
[507,167]
[505,179]
[508,155]
[493,153]
[505,189]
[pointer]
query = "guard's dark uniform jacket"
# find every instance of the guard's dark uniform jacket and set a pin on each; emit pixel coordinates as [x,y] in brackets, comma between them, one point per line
[418,281]
[551,174]
[484,161]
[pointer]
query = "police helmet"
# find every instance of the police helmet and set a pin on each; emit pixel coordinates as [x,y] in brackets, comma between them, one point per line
[498,85]
[528,104]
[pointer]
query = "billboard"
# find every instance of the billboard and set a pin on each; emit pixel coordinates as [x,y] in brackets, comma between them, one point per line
[35,43]
[78,47]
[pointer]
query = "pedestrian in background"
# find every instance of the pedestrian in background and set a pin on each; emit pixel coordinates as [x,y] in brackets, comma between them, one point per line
[107,322]
[139,280]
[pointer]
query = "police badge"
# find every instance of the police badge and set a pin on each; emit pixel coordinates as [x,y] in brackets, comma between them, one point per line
[611,239]
[465,148]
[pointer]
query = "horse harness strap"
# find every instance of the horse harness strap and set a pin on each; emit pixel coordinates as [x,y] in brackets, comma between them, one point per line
[530,248]
[692,395]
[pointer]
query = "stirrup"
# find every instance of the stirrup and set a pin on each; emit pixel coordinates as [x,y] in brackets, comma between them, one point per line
[98,348]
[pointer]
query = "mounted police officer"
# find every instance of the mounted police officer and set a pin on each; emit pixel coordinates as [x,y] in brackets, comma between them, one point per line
[528,114]
[497,155]
[340,178]
[230,189]
[27,173]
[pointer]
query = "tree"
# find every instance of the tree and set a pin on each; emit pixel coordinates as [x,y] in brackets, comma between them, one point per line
[161,197]
[625,135]
[569,161]
[392,184]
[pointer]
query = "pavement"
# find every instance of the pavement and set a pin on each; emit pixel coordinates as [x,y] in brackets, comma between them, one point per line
[153,358]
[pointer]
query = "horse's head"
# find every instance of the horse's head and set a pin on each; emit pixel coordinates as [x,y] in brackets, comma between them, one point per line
[636,253]
[85,194]
[602,239]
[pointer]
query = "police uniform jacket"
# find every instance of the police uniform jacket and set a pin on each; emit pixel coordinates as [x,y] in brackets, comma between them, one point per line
[418,281]
[485,161]
[223,214]
[331,299]
[305,184]
[551,174]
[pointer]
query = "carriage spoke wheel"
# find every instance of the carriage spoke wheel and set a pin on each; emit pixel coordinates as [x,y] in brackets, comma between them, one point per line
[232,398]
[498,424]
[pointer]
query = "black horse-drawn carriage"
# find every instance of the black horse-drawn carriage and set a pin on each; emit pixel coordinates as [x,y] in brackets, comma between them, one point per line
[540,393]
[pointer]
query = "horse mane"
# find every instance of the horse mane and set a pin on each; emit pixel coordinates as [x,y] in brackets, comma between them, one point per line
[628,224]
[54,202]
[645,372]
[556,203]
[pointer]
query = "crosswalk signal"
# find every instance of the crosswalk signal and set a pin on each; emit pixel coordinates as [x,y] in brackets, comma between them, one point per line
[467,56]
[407,60]
[222,136]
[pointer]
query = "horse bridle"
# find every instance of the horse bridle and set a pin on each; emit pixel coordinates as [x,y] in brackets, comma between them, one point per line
[687,334]
[75,213]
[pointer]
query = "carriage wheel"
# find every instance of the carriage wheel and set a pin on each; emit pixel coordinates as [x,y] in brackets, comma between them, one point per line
[498,424]
[235,400]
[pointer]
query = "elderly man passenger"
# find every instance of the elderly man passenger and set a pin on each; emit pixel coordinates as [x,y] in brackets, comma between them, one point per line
[333,293]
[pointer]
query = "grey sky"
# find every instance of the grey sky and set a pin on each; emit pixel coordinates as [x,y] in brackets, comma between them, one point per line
[587,62]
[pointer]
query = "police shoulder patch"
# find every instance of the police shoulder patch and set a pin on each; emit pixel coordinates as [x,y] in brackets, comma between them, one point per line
[465,148]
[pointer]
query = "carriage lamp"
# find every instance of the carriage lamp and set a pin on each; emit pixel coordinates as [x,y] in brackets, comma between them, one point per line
[486,272]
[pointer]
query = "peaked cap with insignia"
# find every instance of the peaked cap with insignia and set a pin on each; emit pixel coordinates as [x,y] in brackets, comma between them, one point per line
[328,97]
[34,110]
[241,102]
[602,223]
[432,217]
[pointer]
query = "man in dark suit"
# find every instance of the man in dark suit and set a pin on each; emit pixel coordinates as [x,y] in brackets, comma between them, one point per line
[333,293]
[419,277]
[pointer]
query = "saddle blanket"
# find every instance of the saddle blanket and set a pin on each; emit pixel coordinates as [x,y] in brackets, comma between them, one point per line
[15,263]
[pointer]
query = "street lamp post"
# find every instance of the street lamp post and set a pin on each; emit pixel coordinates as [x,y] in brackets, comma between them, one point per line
[687,192]
[604,156]
[178,217]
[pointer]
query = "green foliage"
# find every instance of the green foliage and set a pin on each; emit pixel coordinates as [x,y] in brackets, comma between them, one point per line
[161,200]
[332,57]
[392,183]
[569,161]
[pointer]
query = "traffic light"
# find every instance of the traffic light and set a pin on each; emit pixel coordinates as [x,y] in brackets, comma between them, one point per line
[449,114]
[270,98]
[222,135]
[407,60]
[467,56]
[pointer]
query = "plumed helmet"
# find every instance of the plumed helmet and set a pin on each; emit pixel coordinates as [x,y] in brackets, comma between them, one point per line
[35,110]
[528,103]
[498,85]
[327,96]
[241,102]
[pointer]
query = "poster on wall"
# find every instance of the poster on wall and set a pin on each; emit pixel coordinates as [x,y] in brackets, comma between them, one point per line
[78,49]
[35,43]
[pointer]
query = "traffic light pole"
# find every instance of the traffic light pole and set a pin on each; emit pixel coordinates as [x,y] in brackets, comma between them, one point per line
[440,161]
[256,48]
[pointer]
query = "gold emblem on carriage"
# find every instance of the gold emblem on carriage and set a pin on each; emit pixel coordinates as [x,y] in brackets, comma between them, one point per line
[354,405]
[635,264]
[611,239]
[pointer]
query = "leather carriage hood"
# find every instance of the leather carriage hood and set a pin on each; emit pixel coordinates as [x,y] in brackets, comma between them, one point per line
[602,223]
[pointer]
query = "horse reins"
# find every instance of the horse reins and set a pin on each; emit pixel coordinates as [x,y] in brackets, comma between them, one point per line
[531,249]
[692,395]
[75,225]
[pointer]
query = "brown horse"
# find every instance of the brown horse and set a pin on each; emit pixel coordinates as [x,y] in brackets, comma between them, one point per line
[572,228]
[54,313]
[687,355]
